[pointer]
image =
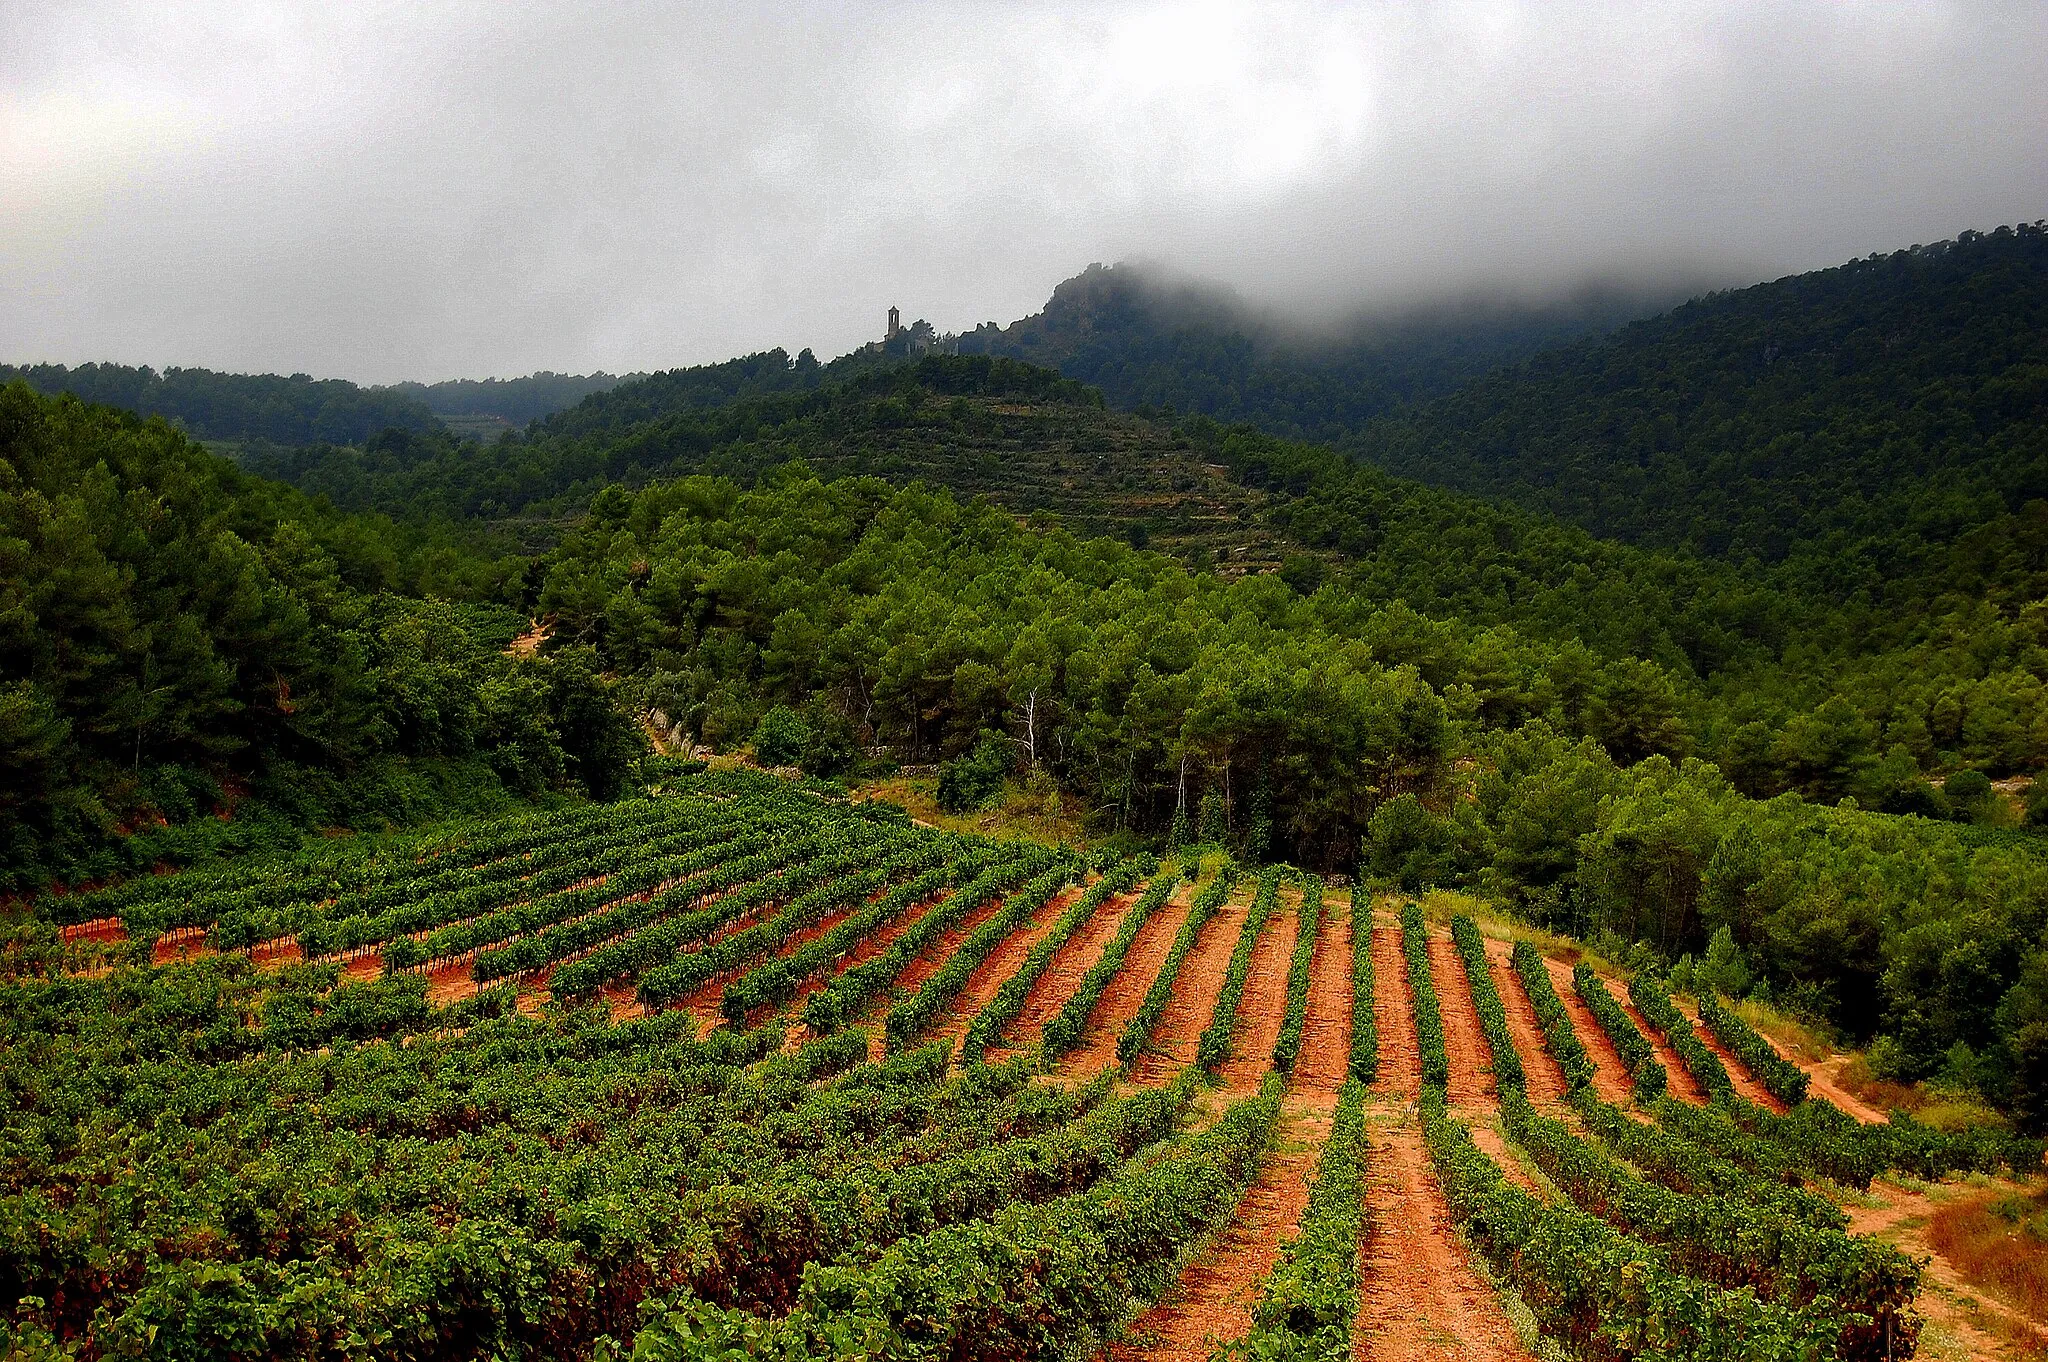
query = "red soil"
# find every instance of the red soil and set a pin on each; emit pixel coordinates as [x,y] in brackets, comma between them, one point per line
[702,1002]
[1545,1084]
[1211,1304]
[619,996]
[864,950]
[449,983]
[1126,991]
[180,943]
[1194,997]
[1393,1010]
[1063,973]
[995,971]
[100,929]
[276,954]
[1489,1142]
[1610,1076]
[1325,1059]
[1738,1073]
[370,965]
[924,967]
[1821,1081]
[1465,1044]
[1263,1007]
[1681,1083]
[1421,1297]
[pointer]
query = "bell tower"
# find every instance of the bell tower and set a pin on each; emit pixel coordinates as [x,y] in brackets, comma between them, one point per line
[895,324]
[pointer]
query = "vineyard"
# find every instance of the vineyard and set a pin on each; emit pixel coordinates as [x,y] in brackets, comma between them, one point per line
[742,1069]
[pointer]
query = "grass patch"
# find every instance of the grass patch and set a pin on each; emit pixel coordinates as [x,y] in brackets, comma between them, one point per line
[1998,1241]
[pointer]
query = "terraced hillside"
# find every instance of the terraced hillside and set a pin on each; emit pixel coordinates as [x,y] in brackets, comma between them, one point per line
[742,1069]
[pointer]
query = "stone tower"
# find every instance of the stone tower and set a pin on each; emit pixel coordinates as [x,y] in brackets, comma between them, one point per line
[895,324]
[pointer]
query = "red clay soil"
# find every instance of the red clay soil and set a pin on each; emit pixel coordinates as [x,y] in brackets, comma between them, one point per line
[1211,1304]
[1610,1076]
[1421,1299]
[995,971]
[1738,1073]
[623,1001]
[1126,991]
[1489,1142]
[450,982]
[180,943]
[1194,997]
[702,1002]
[1545,1083]
[1262,1009]
[1821,1081]
[100,929]
[1681,1084]
[1325,1059]
[1063,972]
[1393,1011]
[864,950]
[370,965]
[1465,1044]
[922,968]
[276,954]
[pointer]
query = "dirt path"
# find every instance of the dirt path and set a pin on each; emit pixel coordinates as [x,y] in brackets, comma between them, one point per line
[1422,1300]
[1680,1082]
[1823,1080]
[1545,1083]
[449,983]
[995,971]
[1126,991]
[1393,1011]
[1745,1082]
[1325,1059]
[864,950]
[1963,1322]
[1471,1059]
[1212,1301]
[1263,1008]
[702,1002]
[1194,997]
[1610,1076]
[1063,973]
[912,976]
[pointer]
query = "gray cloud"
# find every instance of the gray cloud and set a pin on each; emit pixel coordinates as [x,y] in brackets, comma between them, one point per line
[435,190]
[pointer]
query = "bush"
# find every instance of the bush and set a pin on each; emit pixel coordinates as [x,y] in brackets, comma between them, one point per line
[973,780]
[1410,846]
[782,737]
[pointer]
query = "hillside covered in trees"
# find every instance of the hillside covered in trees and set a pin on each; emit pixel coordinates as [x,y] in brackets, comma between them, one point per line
[979,562]
[236,407]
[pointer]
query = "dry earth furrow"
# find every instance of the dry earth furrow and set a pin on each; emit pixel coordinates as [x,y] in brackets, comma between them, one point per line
[1125,993]
[1064,971]
[1680,1082]
[995,971]
[1421,1299]
[1611,1081]
[1172,1046]
[1263,1007]
[1393,1007]
[1546,1085]
[1325,1059]
[1471,1084]
[1738,1073]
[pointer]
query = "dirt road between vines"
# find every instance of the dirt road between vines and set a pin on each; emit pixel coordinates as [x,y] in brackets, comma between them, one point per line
[1546,1085]
[1262,1009]
[1063,973]
[995,971]
[1611,1081]
[1194,997]
[1471,1084]
[1126,991]
[1393,1010]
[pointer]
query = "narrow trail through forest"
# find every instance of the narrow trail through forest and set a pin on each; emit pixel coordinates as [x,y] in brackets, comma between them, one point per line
[1393,1010]
[1421,1299]
[1963,1321]
[1546,1085]
[1212,1301]
[1263,1007]
[1471,1085]
[995,971]
[1610,1076]
[1194,998]
[1063,973]
[1126,991]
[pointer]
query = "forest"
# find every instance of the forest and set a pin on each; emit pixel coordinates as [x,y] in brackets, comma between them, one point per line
[1650,737]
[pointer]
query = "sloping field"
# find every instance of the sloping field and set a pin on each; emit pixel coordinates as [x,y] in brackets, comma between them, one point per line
[747,1071]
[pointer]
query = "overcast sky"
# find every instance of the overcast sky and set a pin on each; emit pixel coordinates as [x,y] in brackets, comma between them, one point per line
[426,190]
